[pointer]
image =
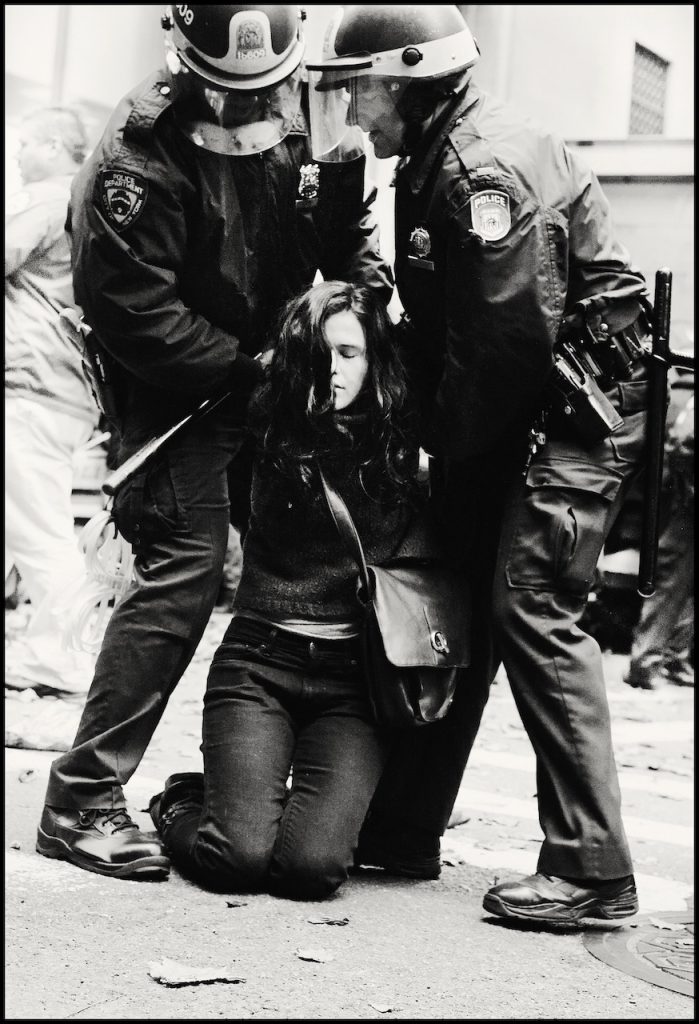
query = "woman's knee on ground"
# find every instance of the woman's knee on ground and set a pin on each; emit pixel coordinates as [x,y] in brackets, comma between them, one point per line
[307,874]
[233,864]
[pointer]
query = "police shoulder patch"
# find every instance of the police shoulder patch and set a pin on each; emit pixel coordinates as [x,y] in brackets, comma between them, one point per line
[123,196]
[490,214]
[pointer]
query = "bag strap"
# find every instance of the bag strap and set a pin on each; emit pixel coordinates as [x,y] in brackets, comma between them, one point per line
[346,528]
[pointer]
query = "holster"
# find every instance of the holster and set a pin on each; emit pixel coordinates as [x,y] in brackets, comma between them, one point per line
[589,360]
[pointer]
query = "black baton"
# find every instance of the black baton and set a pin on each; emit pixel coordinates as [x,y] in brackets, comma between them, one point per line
[140,458]
[655,443]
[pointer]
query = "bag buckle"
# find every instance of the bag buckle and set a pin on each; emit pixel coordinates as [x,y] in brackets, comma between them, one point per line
[439,642]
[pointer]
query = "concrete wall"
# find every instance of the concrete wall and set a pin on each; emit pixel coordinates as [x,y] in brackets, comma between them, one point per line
[569,66]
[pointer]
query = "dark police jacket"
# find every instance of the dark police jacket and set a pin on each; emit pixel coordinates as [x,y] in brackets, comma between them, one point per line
[500,231]
[182,257]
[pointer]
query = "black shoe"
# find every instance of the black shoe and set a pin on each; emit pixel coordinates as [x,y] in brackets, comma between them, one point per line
[107,842]
[398,859]
[651,680]
[547,899]
[182,792]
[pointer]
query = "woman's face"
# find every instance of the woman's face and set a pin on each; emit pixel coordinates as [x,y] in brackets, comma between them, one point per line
[345,338]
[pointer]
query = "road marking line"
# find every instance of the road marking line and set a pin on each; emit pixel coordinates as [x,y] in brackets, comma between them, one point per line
[652,732]
[651,782]
[639,828]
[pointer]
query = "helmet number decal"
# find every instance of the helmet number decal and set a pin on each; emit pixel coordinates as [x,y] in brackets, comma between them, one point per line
[123,197]
[186,13]
[490,214]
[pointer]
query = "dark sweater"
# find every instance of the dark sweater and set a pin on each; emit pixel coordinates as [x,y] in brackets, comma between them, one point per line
[294,560]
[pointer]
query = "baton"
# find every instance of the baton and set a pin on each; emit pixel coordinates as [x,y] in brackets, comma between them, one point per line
[118,477]
[655,436]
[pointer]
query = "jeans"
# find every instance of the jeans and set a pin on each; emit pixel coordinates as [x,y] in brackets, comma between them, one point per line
[275,702]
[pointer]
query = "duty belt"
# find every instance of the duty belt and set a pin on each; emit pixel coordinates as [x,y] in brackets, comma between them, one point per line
[587,346]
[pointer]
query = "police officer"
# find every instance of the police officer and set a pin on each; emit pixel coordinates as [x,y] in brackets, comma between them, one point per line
[200,212]
[529,321]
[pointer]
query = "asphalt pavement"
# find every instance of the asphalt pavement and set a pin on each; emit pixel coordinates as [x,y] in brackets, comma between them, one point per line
[81,946]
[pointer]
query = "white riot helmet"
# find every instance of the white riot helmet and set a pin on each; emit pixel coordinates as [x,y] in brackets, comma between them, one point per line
[235,73]
[397,44]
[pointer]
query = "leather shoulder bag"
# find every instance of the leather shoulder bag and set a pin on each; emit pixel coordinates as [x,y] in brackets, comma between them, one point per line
[415,636]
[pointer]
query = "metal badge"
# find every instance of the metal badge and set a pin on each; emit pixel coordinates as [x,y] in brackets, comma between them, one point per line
[439,642]
[309,185]
[490,215]
[421,245]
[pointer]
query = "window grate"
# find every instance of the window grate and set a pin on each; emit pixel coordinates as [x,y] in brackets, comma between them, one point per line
[648,92]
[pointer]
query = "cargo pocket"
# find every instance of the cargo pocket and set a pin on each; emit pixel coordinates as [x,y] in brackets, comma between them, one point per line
[560,525]
[146,508]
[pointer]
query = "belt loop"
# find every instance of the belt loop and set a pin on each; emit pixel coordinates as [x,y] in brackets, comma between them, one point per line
[268,643]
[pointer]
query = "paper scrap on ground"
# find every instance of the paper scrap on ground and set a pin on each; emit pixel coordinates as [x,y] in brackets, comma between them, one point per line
[169,972]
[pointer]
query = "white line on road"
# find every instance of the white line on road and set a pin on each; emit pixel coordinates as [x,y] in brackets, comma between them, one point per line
[652,732]
[656,783]
[639,828]
[654,893]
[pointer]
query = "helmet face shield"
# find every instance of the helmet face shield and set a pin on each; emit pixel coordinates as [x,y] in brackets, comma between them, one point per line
[335,133]
[370,54]
[345,109]
[231,121]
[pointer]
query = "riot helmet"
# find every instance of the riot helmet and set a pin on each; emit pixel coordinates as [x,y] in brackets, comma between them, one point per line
[235,75]
[373,57]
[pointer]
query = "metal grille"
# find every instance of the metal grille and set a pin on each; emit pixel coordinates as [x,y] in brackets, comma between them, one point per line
[648,93]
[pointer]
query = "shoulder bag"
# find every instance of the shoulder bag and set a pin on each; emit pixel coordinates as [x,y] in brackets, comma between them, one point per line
[415,635]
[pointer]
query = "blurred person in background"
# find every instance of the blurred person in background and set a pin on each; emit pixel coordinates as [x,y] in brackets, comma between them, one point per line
[662,649]
[526,320]
[50,412]
[199,214]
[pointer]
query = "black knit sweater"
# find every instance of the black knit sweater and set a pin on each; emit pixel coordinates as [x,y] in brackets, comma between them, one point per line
[294,561]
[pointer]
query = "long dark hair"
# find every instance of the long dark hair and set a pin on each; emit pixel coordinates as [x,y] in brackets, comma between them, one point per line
[292,414]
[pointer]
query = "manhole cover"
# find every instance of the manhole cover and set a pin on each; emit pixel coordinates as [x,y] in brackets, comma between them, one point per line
[658,948]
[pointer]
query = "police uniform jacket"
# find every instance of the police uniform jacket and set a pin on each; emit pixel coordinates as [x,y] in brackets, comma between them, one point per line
[183,257]
[500,231]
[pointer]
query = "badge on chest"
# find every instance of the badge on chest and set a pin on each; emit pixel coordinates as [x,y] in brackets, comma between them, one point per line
[420,248]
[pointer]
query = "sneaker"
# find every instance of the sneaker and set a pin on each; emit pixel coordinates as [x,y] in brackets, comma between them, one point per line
[107,842]
[559,901]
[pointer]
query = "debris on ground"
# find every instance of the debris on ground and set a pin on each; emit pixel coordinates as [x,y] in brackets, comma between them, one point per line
[328,920]
[316,956]
[169,972]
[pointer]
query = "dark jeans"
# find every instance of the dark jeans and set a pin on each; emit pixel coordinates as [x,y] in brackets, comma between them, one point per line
[177,515]
[543,534]
[276,702]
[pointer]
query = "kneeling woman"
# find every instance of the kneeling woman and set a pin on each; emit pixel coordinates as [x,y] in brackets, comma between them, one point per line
[291,754]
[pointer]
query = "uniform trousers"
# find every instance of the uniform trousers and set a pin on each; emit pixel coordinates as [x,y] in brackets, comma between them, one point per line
[278,702]
[544,533]
[176,514]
